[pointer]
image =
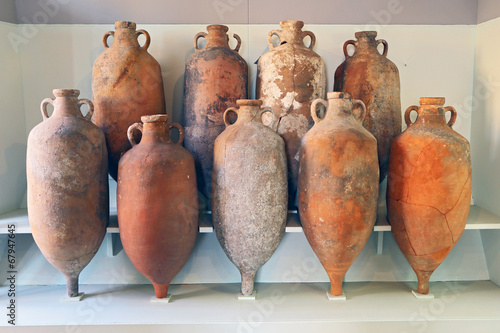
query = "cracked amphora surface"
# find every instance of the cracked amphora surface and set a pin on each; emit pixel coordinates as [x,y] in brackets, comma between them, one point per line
[371,77]
[68,202]
[216,76]
[289,77]
[126,84]
[338,185]
[157,202]
[249,190]
[428,188]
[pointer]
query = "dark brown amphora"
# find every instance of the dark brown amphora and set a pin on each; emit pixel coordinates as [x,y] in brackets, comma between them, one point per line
[289,77]
[126,84]
[249,190]
[216,76]
[68,204]
[157,202]
[428,187]
[371,77]
[338,185]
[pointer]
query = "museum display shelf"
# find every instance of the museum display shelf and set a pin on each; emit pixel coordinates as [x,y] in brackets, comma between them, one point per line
[479,219]
[303,305]
[466,288]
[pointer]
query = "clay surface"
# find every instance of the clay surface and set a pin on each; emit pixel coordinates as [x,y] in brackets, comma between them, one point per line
[338,185]
[371,77]
[126,84]
[157,202]
[68,202]
[216,76]
[249,191]
[429,188]
[289,77]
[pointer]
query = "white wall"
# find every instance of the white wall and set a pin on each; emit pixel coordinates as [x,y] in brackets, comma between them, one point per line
[61,56]
[248,11]
[486,121]
[8,11]
[487,10]
[12,127]
[486,135]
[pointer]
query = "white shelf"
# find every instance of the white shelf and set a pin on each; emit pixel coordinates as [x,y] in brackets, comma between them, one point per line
[368,305]
[479,218]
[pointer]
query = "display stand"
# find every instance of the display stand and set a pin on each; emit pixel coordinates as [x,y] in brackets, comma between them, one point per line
[76,298]
[422,296]
[336,298]
[251,297]
[167,298]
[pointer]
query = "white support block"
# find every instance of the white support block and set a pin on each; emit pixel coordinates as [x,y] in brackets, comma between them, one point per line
[336,298]
[251,297]
[422,296]
[77,298]
[167,298]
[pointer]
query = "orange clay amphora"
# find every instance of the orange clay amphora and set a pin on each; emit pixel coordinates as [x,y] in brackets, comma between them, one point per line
[126,84]
[371,77]
[428,188]
[157,202]
[338,185]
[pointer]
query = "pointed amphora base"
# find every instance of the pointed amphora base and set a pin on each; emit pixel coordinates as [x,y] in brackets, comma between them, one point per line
[423,281]
[336,279]
[247,280]
[161,290]
[72,285]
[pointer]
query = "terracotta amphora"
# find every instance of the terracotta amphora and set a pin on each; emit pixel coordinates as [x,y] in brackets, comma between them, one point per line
[157,202]
[338,185]
[289,77]
[216,76]
[249,190]
[126,84]
[371,77]
[68,202]
[428,187]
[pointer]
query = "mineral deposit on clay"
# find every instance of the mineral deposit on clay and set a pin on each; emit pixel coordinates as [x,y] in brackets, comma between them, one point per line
[249,201]
[290,76]
[68,202]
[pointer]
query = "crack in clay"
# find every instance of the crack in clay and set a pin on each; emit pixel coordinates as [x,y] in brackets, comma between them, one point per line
[444,215]
[448,225]
[430,254]
[460,195]
[406,232]
[422,205]
[278,123]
